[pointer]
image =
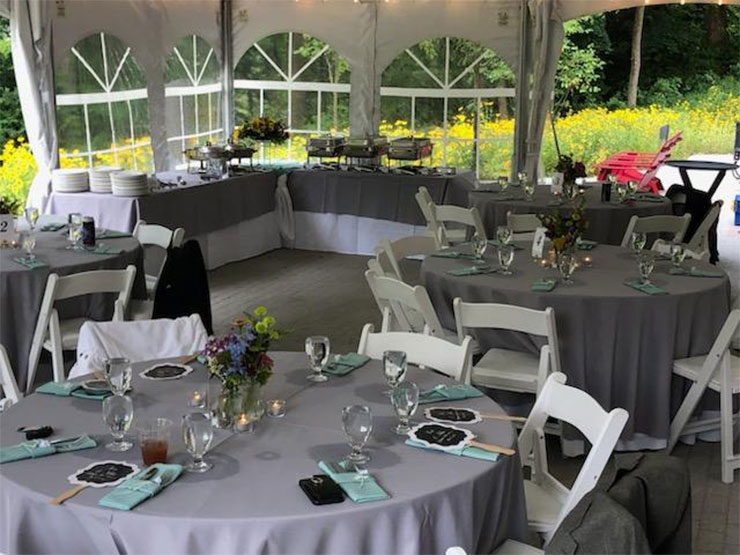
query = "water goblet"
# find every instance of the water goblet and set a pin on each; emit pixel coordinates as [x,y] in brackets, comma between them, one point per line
[528,190]
[678,254]
[521,177]
[567,265]
[638,241]
[621,192]
[394,368]
[505,258]
[631,189]
[197,433]
[28,242]
[32,215]
[646,263]
[357,421]
[503,183]
[504,235]
[317,349]
[479,245]
[405,399]
[118,412]
[118,375]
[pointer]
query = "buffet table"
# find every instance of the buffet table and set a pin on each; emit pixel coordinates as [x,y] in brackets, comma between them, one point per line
[250,502]
[607,220]
[616,343]
[350,212]
[21,289]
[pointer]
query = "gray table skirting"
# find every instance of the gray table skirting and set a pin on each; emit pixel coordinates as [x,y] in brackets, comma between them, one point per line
[250,501]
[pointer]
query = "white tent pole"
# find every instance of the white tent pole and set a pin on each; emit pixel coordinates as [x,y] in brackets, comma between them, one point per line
[522,93]
[227,66]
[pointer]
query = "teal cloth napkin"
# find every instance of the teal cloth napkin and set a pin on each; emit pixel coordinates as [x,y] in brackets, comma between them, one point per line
[30,264]
[73,389]
[111,234]
[646,197]
[133,491]
[472,271]
[105,249]
[53,227]
[360,489]
[443,392]
[35,448]
[586,245]
[453,254]
[472,452]
[346,364]
[495,243]
[696,272]
[647,288]
[544,285]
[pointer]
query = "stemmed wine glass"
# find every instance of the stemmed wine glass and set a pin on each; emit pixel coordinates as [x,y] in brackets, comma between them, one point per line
[394,368]
[528,187]
[678,254]
[32,215]
[479,245]
[638,241]
[118,375]
[317,349]
[505,258]
[522,177]
[503,183]
[646,263]
[504,235]
[567,265]
[197,432]
[118,412]
[357,421]
[405,399]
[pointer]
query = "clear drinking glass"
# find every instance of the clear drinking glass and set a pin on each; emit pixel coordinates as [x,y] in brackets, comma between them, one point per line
[154,438]
[638,241]
[74,233]
[118,412]
[118,375]
[504,235]
[528,187]
[317,349]
[678,254]
[567,265]
[646,263]
[479,245]
[522,178]
[503,183]
[505,258]
[405,399]
[394,368]
[28,242]
[197,433]
[32,215]
[357,421]
[631,189]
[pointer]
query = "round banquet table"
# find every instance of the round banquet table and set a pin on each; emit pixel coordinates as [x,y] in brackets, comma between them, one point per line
[607,220]
[250,502]
[22,289]
[616,343]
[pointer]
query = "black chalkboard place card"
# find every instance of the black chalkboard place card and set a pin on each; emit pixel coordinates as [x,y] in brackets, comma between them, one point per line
[466,416]
[99,474]
[446,437]
[166,371]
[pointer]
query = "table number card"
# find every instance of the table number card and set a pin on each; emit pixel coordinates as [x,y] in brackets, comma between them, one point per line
[166,371]
[557,184]
[103,474]
[451,414]
[441,436]
[538,243]
[8,234]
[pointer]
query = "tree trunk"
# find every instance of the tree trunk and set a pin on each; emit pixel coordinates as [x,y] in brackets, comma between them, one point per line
[636,55]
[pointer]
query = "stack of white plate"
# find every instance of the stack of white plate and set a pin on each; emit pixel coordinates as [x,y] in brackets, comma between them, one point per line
[69,180]
[100,178]
[129,184]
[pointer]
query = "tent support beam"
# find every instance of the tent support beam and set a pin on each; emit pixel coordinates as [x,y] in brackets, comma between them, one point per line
[227,67]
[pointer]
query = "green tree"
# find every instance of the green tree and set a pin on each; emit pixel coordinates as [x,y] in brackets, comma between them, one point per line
[11,118]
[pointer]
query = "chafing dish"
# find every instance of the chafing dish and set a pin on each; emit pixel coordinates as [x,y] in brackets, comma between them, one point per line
[410,148]
[365,151]
[213,160]
[325,146]
[238,152]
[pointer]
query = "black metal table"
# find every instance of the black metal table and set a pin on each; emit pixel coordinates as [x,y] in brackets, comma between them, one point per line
[702,165]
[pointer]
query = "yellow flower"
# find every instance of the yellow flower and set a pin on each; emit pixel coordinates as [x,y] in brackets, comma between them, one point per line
[260,311]
[269,321]
[260,327]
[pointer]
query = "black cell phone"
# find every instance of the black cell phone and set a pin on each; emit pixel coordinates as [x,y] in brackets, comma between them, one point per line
[321,489]
[37,432]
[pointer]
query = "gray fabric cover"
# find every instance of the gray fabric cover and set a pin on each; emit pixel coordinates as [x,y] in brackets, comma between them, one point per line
[615,343]
[250,501]
[607,221]
[22,290]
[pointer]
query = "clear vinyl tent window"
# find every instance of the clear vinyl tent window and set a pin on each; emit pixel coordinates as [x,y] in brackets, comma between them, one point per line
[101,104]
[192,97]
[296,79]
[458,93]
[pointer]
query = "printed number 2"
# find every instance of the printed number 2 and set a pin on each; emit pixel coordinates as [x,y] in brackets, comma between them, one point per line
[3,226]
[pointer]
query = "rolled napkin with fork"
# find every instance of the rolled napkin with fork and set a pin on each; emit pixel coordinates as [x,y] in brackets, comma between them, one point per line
[453,254]
[140,487]
[359,487]
[647,288]
[473,271]
[71,388]
[53,227]
[444,392]
[544,285]
[30,263]
[345,364]
[472,452]
[696,272]
[37,448]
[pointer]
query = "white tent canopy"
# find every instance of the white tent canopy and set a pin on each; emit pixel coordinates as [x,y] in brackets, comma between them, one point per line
[368,34]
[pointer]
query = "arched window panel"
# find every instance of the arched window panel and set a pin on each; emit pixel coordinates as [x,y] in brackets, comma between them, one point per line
[458,93]
[299,80]
[192,96]
[102,110]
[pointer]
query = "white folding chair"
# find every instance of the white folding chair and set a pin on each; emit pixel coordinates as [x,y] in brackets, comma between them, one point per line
[57,336]
[720,372]
[549,501]
[422,350]
[503,368]
[700,240]
[427,206]
[447,213]
[523,226]
[405,247]
[405,307]
[152,235]
[657,224]
[9,391]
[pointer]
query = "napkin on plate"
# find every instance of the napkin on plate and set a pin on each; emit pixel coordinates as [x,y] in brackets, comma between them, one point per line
[696,272]
[35,448]
[133,491]
[472,452]
[53,227]
[443,392]
[345,364]
[111,234]
[31,264]
[360,489]
[472,271]
[647,288]
[74,389]
[586,244]
[453,254]
[105,249]
[544,285]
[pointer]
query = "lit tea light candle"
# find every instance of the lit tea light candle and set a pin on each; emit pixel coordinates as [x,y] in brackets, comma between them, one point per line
[197,399]
[544,263]
[276,408]
[242,422]
[587,261]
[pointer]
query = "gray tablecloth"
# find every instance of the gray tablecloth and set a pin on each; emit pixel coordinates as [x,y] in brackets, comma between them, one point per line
[607,221]
[21,289]
[250,501]
[200,207]
[373,195]
[615,343]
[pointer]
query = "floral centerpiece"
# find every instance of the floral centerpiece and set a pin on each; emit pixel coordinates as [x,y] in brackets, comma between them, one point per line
[239,360]
[9,205]
[571,171]
[264,129]
[564,229]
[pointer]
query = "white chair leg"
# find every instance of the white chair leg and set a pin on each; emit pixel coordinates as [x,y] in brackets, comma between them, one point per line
[729,462]
[57,354]
[684,413]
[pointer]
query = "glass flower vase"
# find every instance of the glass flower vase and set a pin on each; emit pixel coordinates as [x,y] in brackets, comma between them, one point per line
[249,407]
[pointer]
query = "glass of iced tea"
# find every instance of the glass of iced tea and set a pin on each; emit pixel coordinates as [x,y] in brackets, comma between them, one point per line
[154,438]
